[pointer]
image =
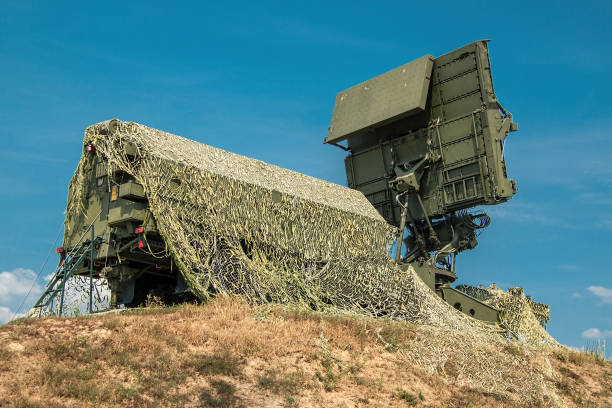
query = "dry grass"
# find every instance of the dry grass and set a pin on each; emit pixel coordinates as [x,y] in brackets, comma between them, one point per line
[229,354]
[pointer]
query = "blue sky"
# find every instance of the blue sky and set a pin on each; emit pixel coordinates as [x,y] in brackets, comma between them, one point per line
[261,81]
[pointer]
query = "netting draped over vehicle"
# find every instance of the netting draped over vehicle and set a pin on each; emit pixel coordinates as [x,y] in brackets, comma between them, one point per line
[76,298]
[520,317]
[241,226]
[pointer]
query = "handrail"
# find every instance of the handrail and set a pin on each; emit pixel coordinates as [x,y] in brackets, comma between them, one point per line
[66,275]
[84,233]
[65,270]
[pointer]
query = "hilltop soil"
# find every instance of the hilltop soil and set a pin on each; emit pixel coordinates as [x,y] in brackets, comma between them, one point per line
[229,354]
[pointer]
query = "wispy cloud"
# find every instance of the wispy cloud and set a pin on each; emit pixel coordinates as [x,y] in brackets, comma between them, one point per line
[603,293]
[547,214]
[6,314]
[595,197]
[529,213]
[567,267]
[28,156]
[17,283]
[568,161]
[604,222]
[594,333]
[320,35]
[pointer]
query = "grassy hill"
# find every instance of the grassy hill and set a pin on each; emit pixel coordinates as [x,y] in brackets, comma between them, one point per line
[229,354]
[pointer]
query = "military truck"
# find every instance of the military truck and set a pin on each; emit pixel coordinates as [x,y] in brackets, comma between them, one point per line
[425,144]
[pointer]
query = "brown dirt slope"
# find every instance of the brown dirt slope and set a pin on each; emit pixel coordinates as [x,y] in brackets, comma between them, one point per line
[229,354]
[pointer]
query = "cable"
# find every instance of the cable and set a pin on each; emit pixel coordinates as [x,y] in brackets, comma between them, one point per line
[39,272]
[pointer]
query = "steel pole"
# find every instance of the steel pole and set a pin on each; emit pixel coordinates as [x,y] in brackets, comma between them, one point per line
[63,291]
[91,261]
[400,240]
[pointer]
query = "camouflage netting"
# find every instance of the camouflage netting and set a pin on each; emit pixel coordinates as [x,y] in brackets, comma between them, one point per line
[240,226]
[76,298]
[520,316]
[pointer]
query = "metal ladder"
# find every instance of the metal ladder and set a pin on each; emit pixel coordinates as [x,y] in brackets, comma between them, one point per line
[65,270]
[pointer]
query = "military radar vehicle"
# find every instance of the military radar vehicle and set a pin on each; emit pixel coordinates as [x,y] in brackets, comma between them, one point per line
[425,144]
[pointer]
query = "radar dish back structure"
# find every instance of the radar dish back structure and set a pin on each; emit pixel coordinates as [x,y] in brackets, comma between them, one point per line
[426,144]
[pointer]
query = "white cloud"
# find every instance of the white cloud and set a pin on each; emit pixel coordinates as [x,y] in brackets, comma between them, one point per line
[592,333]
[16,284]
[605,294]
[6,314]
[576,295]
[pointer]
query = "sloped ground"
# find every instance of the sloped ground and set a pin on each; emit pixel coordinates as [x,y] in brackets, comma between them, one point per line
[229,354]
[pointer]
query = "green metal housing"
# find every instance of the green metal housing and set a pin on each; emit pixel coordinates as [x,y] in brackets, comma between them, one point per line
[124,227]
[461,127]
[426,143]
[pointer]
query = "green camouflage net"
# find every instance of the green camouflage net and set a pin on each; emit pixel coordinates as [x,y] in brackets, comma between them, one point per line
[76,298]
[520,317]
[240,226]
